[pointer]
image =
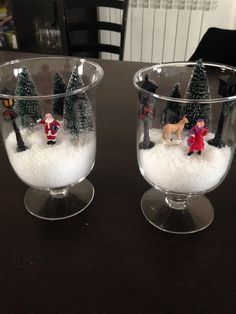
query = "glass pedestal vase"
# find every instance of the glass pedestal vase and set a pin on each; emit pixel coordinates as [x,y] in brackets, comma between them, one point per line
[59,204]
[49,131]
[177,214]
[186,135]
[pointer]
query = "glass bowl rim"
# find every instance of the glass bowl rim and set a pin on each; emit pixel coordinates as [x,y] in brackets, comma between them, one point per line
[54,96]
[182,100]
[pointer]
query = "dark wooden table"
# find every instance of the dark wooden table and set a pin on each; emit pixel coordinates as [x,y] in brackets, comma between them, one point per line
[109,259]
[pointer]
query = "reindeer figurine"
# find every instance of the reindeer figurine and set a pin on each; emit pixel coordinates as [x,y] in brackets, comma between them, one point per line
[176,129]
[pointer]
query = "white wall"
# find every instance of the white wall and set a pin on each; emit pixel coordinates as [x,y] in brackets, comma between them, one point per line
[157,34]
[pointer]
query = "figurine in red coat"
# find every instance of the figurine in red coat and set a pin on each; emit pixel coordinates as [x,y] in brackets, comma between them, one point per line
[50,128]
[196,135]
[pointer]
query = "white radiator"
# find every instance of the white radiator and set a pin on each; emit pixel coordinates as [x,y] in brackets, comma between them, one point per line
[167,30]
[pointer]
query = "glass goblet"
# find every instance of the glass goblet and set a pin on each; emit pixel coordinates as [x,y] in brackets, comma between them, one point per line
[186,133]
[49,131]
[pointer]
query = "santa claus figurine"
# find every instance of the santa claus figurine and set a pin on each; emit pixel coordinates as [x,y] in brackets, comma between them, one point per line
[196,135]
[51,127]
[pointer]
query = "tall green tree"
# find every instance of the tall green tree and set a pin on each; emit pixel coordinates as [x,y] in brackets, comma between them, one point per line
[198,88]
[172,110]
[59,87]
[29,111]
[77,114]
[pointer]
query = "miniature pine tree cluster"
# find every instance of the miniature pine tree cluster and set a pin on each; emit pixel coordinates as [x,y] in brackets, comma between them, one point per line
[29,111]
[75,109]
[174,111]
[197,88]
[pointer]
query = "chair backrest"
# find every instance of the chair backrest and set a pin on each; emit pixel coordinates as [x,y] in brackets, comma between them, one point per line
[83,27]
[217,45]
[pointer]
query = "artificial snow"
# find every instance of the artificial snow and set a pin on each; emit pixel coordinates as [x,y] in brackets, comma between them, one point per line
[168,166]
[52,166]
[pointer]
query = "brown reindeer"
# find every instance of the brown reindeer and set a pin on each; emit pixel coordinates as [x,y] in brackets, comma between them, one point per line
[176,128]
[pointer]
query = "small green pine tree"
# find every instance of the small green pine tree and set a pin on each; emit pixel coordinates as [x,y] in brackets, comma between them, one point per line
[28,110]
[85,117]
[197,88]
[59,87]
[77,113]
[172,110]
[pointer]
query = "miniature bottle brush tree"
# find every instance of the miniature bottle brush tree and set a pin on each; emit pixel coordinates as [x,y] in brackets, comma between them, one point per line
[198,88]
[28,110]
[77,113]
[173,110]
[75,110]
[59,87]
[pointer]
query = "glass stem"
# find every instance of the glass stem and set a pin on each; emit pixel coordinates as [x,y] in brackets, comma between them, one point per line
[59,193]
[179,202]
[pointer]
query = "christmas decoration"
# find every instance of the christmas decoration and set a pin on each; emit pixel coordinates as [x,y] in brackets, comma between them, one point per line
[77,113]
[146,112]
[59,87]
[172,110]
[10,116]
[176,128]
[195,140]
[51,127]
[28,110]
[171,169]
[227,87]
[197,88]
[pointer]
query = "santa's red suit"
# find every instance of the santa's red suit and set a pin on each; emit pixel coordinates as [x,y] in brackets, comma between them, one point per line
[195,140]
[50,128]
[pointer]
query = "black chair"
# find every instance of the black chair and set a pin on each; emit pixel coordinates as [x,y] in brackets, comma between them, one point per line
[83,27]
[217,45]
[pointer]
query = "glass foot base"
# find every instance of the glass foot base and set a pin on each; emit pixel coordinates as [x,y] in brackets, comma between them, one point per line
[196,216]
[44,205]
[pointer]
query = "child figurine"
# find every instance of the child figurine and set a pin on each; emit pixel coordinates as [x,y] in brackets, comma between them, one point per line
[195,140]
[50,128]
